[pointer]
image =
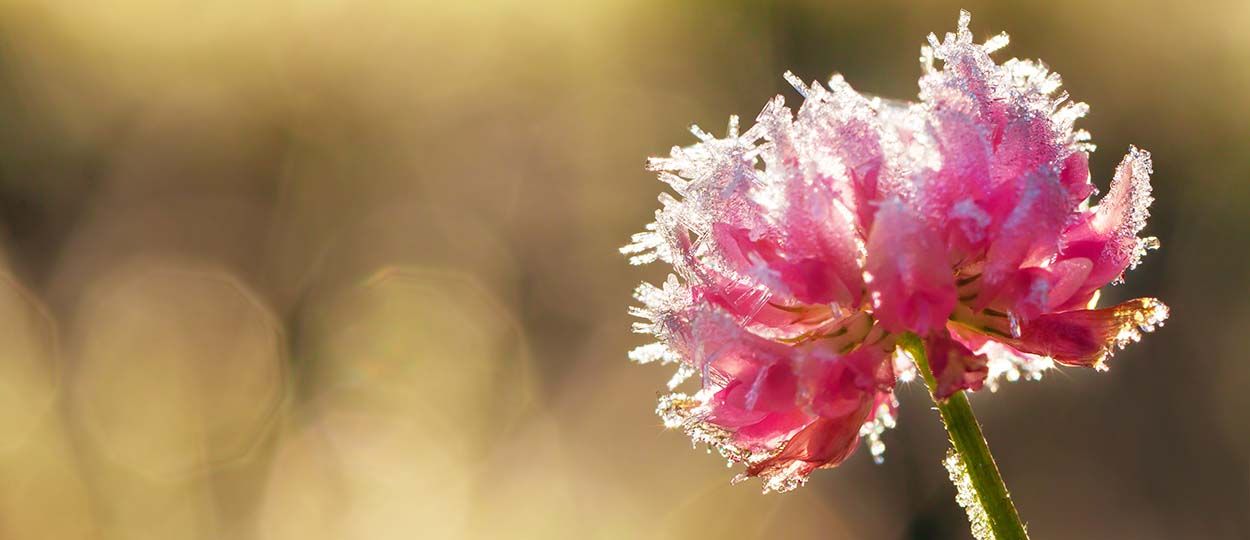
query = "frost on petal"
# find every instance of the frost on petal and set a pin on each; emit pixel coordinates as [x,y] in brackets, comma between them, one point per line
[783,410]
[818,248]
[723,351]
[759,301]
[845,392]
[663,311]
[953,195]
[1088,337]
[646,247]
[1015,102]
[712,182]
[907,272]
[1107,234]
[825,442]
[761,219]
[966,66]
[1006,363]
[748,402]
[1029,234]
[712,179]
[652,352]
[976,104]
[840,133]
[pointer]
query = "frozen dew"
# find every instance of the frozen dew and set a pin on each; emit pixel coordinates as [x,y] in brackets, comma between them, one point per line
[872,430]
[1148,316]
[653,352]
[788,479]
[1129,322]
[645,247]
[797,83]
[687,412]
[904,366]
[997,42]
[1008,364]
[702,135]
[684,372]
[966,496]
[1125,209]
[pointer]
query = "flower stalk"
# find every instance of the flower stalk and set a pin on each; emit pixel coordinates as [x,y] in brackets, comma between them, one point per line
[969,442]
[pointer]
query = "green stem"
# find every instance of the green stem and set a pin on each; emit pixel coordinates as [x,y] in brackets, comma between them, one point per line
[965,434]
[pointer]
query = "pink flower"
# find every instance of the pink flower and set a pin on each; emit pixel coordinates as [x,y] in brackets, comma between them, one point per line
[805,245]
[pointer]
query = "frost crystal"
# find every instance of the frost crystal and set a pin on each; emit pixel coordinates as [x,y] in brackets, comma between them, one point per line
[966,496]
[873,429]
[803,246]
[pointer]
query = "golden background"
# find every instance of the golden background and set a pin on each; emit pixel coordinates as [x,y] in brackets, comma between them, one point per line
[329,269]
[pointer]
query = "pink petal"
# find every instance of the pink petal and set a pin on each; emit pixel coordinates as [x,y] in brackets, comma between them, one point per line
[772,431]
[1066,278]
[755,306]
[1028,128]
[756,426]
[841,132]
[1029,234]
[1087,337]
[727,409]
[955,193]
[1075,177]
[954,366]
[912,285]
[749,304]
[1036,290]
[1107,235]
[837,384]
[772,389]
[818,252]
[844,393]
[826,442]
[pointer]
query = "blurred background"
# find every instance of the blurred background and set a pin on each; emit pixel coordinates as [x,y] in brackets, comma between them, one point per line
[328,269]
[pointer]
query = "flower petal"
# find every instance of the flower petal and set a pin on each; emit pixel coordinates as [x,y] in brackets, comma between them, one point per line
[841,134]
[954,366]
[1036,290]
[825,442]
[1002,360]
[818,254]
[1030,231]
[1088,337]
[837,384]
[1107,235]
[844,390]
[907,273]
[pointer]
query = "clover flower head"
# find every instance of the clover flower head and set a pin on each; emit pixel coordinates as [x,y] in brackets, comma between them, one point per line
[802,247]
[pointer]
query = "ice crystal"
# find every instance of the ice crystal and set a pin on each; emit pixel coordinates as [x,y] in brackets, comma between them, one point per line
[1011,365]
[966,496]
[873,429]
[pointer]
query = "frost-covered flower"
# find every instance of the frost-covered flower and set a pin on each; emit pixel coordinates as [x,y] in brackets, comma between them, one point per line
[804,246]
